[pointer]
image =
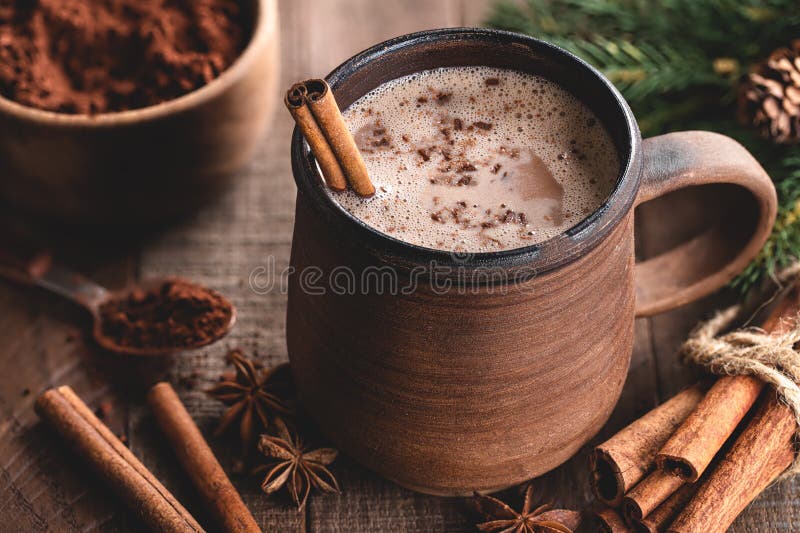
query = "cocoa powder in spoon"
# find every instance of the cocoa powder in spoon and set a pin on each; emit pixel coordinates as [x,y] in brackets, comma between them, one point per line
[173,314]
[97,56]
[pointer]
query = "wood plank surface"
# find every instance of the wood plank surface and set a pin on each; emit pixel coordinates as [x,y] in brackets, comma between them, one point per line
[247,232]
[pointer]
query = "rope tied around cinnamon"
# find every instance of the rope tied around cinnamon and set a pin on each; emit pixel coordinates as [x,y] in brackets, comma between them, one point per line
[771,357]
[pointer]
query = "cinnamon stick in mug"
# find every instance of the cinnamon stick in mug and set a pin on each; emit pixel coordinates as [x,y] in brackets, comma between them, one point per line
[64,411]
[691,449]
[623,460]
[295,101]
[199,462]
[329,118]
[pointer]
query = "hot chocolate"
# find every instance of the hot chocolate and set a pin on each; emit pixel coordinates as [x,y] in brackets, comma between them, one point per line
[478,159]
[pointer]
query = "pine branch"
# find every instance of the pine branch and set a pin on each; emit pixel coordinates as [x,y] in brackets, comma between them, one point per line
[591,28]
[644,70]
[737,28]
[783,246]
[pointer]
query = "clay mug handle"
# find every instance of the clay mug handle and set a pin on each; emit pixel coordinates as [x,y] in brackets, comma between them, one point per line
[711,259]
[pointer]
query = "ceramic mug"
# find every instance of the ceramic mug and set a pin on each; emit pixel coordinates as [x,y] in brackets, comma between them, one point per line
[455,380]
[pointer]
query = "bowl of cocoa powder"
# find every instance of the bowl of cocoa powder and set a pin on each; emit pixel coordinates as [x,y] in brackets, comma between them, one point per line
[131,111]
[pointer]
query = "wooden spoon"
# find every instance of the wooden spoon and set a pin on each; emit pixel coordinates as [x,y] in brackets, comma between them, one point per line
[41,272]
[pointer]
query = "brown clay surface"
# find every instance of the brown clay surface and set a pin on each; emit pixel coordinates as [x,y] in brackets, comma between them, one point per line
[505,377]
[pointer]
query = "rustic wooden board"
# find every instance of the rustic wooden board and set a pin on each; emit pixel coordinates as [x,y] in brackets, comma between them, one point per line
[43,487]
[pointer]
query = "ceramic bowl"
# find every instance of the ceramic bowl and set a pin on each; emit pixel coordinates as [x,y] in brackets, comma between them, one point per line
[148,164]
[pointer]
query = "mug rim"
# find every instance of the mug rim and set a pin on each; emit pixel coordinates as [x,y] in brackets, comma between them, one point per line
[528,261]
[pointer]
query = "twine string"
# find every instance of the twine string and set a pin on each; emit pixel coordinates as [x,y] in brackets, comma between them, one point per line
[752,351]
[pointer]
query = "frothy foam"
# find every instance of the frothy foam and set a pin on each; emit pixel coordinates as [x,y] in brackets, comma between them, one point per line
[478,159]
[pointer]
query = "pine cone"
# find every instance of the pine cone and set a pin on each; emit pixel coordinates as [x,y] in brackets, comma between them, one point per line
[769,97]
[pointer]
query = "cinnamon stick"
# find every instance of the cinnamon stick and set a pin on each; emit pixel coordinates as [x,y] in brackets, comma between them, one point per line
[763,451]
[64,411]
[295,101]
[648,494]
[608,520]
[662,516]
[623,460]
[326,112]
[659,518]
[691,449]
[199,462]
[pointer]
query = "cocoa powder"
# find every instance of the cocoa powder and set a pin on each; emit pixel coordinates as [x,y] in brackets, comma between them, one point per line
[96,56]
[174,314]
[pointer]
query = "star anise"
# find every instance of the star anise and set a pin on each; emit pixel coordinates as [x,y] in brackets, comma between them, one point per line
[500,517]
[254,396]
[295,465]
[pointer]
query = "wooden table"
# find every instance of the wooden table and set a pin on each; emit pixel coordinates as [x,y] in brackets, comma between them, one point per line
[44,342]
